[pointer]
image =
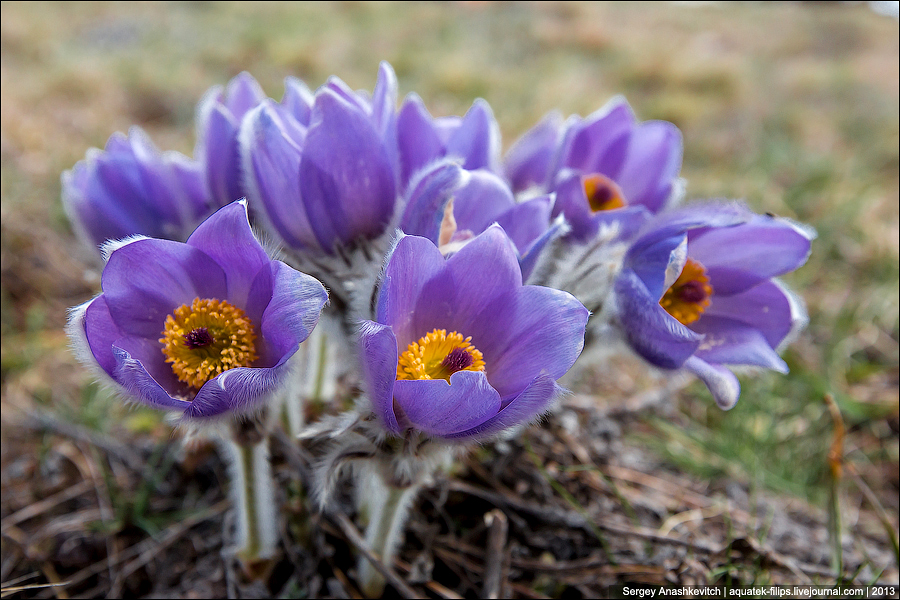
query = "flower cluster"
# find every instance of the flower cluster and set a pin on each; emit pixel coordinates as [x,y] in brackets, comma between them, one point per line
[464,284]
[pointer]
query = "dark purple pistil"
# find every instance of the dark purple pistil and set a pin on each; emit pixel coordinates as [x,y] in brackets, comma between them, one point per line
[198,338]
[601,196]
[457,360]
[692,292]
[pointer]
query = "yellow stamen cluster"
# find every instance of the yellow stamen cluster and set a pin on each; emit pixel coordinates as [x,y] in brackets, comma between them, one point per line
[207,338]
[603,193]
[689,295]
[438,355]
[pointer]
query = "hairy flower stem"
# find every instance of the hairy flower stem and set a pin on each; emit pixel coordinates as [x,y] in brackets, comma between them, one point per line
[253,497]
[314,377]
[387,507]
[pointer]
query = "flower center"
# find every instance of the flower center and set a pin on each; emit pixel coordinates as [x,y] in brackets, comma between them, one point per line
[207,338]
[439,355]
[689,295]
[603,193]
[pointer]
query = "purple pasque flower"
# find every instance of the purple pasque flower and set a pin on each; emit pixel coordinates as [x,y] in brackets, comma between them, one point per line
[604,168]
[131,188]
[473,140]
[459,348]
[219,116]
[323,168]
[204,327]
[696,291]
[479,199]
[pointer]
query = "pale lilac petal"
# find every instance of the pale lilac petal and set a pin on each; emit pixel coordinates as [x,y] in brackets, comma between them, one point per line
[597,144]
[221,156]
[481,199]
[227,238]
[413,262]
[417,140]
[526,222]
[652,332]
[237,390]
[243,94]
[528,161]
[346,180]
[427,196]
[652,163]
[730,342]
[134,379]
[477,140]
[298,100]
[378,351]
[271,144]
[765,307]
[293,312]
[761,249]
[724,386]
[439,408]
[146,280]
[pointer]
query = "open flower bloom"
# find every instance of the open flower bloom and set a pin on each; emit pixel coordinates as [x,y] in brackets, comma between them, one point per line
[323,169]
[204,327]
[131,188]
[460,349]
[219,116]
[697,291]
[605,168]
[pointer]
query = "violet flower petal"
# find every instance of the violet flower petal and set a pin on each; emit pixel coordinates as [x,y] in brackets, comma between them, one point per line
[293,312]
[236,390]
[547,338]
[597,143]
[481,199]
[271,145]
[378,350]
[761,249]
[724,386]
[731,342]
[171,274]
[652,164]
[765,307]
[346,180]
[221,156]
[298,100]
[524,408]
[439,408]
[528,161]
[477,139]
[652,332]
[418,142]
[526,222]
[137,382]
[100,331]
[411,264]
[427,196]
[475,283]
[229,241]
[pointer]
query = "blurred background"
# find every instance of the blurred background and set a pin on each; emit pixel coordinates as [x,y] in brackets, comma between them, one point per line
[791,106]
